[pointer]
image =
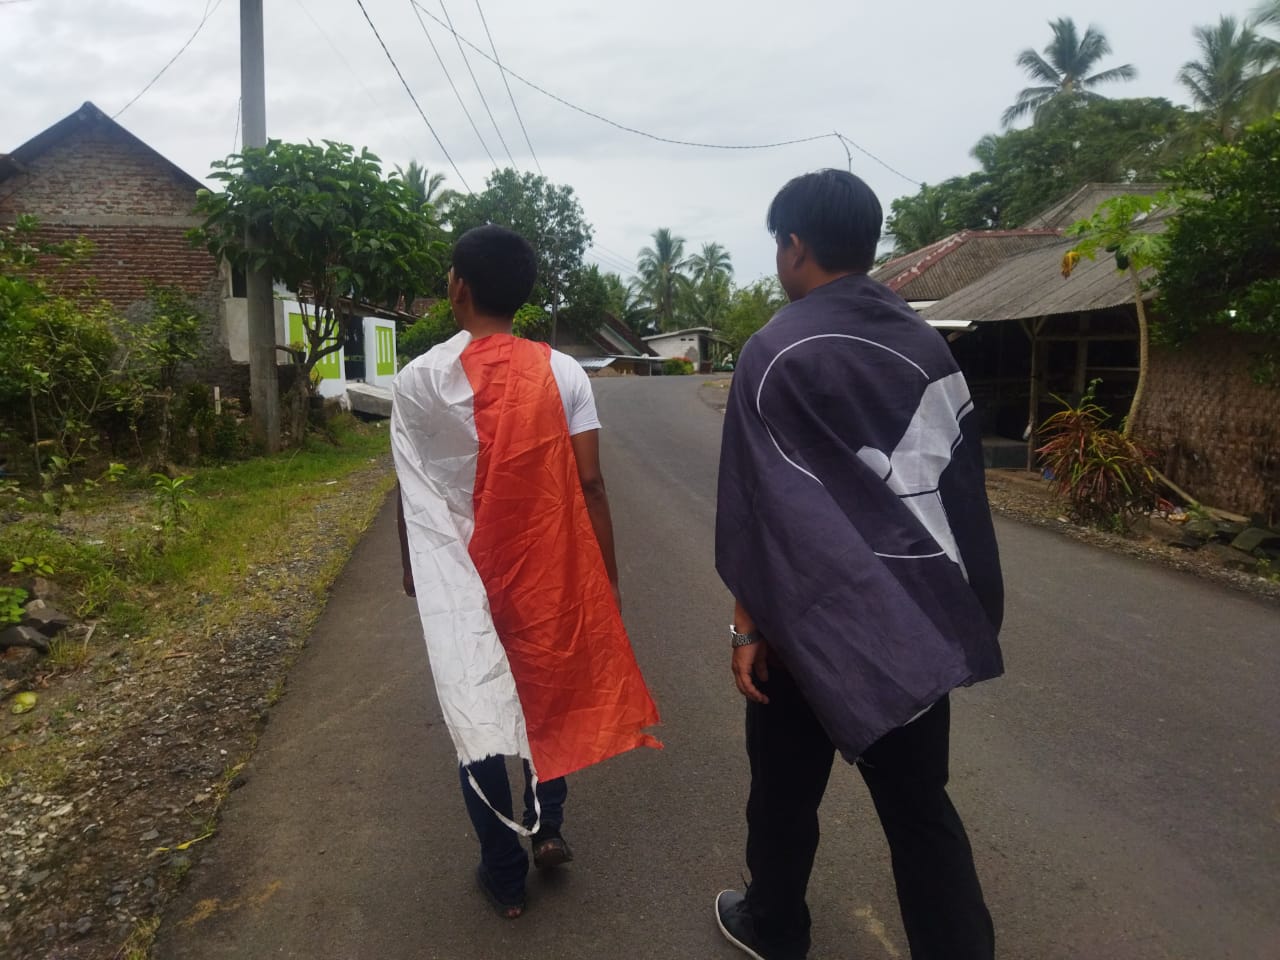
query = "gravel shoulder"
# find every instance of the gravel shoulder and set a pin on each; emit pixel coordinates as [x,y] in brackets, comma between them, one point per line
[137,750]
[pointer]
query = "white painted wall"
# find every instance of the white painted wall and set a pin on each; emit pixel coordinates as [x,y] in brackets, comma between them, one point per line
[333,381]
[379,352]
[683,345]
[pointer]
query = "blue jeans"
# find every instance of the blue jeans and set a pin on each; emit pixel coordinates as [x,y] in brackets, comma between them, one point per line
[501,853]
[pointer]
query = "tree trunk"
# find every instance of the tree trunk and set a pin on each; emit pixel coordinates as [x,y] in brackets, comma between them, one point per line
[1144,341]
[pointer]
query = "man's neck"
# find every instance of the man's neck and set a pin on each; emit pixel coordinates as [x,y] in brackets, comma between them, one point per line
[820,278]
[485,326]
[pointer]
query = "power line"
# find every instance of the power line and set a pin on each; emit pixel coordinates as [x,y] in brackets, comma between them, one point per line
[480,91]
[863,150]
[507,84]
[653,136]
[235,137]
[408,90]
[439,59]
[181,50]
[347,63]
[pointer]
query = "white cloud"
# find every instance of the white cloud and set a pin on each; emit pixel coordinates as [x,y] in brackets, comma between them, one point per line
[916,83]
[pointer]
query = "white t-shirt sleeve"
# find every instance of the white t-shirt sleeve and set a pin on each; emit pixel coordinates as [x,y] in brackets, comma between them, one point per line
[575,393]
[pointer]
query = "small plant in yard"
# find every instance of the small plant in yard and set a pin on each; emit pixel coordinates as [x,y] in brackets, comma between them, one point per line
[1105,475]
[11,601]
[172,502]
[41,563]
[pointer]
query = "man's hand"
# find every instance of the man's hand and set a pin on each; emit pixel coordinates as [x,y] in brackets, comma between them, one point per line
[408,584]
[750,664]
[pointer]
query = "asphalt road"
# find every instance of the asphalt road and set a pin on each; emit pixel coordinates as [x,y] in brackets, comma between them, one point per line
[1121,784]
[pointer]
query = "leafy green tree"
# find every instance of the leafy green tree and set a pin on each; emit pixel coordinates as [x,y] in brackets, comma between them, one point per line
[546,214]
[1117,228]
[1220,81]
[1064,72]
[750,308]
[329,226]
[532,322]
[1220,269]
[939,210]
[436,326]
[627,304]
[663,276]
[587,300]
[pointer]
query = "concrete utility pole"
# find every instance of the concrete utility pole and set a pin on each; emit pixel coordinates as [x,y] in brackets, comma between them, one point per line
[264,390]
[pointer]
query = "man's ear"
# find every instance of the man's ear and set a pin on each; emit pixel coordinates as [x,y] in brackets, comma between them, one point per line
[798,251]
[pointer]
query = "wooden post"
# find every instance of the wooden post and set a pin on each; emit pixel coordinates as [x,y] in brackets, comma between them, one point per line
[1037,372]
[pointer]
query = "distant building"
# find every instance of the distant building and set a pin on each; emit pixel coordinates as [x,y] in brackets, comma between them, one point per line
[699,345]
[612,346]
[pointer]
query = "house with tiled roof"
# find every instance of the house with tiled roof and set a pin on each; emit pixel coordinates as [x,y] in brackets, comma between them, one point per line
[927,275]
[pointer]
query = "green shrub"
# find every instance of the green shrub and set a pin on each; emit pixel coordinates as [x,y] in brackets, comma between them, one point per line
[677,366]
[1106,476]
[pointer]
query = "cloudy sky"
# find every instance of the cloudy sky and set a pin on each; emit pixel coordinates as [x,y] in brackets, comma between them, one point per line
[915,83]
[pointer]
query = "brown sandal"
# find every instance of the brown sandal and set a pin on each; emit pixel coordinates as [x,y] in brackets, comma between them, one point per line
[550,851]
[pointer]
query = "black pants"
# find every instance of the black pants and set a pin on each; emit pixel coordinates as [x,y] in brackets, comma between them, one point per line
[906,771]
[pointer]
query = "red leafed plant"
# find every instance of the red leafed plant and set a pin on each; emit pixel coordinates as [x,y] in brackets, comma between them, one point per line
[1106,476]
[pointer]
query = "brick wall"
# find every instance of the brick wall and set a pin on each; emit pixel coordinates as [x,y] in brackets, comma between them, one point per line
[97,170]
[126,259]
[1219,431]
[100,183]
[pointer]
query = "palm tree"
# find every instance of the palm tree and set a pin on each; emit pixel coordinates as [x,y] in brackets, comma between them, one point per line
[711,262]
[425,184]
[1063,73]
[662,270]
[1220,81]
[626,303]
[1266,87]
[915,222]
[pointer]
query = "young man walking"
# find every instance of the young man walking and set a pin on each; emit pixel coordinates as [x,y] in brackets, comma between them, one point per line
[507,543]
[854,533]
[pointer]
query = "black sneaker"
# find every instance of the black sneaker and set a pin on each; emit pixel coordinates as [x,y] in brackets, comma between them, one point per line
[739,928]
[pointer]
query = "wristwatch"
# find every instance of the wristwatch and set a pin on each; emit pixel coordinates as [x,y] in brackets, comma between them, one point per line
[742,639]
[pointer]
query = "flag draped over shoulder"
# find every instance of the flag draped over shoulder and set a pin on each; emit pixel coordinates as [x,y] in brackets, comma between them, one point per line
[852,520]
[527,647]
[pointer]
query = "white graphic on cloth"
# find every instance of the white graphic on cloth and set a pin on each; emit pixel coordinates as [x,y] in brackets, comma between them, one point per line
[914,469]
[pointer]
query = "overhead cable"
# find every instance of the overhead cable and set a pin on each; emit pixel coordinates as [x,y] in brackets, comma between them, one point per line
[440,60]
[409,90]
[181,50]
[839,137]
[479,89]
[355,75]
[506,83]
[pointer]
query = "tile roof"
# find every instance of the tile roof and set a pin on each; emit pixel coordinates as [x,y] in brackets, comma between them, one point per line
[942,268]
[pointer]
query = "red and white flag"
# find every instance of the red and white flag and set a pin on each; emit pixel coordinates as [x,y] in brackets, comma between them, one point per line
[526,643]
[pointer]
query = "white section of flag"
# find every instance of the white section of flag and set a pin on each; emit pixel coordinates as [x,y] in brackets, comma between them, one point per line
[432,409]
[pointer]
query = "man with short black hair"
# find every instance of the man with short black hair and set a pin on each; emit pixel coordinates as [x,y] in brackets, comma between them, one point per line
[853,530]
[507,543]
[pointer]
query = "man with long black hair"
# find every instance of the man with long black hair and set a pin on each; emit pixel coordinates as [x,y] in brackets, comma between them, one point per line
[854,533]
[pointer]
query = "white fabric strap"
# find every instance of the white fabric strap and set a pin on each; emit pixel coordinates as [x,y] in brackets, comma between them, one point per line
[507,821]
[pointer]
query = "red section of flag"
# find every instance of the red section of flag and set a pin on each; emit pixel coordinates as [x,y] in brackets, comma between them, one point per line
[581,691]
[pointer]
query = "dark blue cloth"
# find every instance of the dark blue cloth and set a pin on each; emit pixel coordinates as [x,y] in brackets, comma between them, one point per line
[852,520]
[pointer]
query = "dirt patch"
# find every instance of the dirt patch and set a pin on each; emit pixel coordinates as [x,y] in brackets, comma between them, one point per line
[140,747]
[1021,495]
